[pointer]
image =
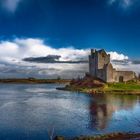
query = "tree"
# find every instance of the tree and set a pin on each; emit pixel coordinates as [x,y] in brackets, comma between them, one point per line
[58,78]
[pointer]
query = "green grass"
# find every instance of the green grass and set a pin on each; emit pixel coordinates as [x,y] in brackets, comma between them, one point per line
[131,87]
[123,86]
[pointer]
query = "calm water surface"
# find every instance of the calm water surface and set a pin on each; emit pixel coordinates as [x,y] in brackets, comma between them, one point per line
[29,112]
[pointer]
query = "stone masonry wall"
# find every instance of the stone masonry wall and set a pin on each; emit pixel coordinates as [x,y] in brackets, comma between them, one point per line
[103,59]
[126,75]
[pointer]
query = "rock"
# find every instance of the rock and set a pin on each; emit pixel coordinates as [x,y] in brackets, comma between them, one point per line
[59,138]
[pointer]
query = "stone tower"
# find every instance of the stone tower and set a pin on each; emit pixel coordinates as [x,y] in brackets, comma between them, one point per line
[98,62]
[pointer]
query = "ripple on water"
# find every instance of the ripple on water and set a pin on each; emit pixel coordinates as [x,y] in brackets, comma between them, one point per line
[36,108]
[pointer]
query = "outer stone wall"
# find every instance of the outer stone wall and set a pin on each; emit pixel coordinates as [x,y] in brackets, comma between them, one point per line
[120,76]
[109,73]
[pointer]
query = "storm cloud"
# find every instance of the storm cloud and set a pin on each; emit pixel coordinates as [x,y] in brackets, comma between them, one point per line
[51,59]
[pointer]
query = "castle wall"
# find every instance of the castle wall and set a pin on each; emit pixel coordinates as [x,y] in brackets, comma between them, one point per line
[93,62]
[123,75]
[103,59]
[101,74]
[91,66]
[109,73]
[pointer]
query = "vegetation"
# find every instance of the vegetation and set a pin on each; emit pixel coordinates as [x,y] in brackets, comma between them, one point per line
[86,85]
[34,81]
[112,136]
[90,85]
[124,86]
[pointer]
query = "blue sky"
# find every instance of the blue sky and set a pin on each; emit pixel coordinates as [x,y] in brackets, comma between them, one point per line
[110,24]
[68,28]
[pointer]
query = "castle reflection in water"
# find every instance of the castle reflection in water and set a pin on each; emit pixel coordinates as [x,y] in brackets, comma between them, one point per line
[103,106]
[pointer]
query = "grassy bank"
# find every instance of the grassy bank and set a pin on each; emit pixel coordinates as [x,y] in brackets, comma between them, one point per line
[128,88]
[89,85]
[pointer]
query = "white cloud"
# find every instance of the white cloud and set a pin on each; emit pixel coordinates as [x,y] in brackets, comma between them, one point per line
[12,53]
[22,48]
[129,66]
[125,4]
[10,5]
[117,56]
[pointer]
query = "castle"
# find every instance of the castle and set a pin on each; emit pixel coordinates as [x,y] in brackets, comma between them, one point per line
[101,67]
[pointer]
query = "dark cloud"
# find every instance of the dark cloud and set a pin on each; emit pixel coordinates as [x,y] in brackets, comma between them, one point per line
[136,62]
[50,59]
[48,70]
[47,59]
[121,62]
[126,62]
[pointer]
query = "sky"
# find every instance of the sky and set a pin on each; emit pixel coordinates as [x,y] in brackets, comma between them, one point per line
[67,29]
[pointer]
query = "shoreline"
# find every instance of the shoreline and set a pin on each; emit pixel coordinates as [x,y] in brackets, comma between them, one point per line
[33,81]
[73,88]
[100,91]
[91,85]
[111,136]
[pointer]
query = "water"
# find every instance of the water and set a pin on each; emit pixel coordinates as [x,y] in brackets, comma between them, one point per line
[30,112]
